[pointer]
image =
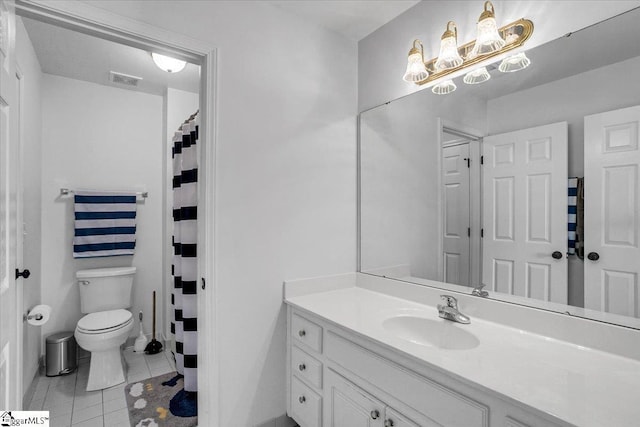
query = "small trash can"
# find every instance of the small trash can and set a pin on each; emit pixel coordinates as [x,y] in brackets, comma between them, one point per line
[61,355]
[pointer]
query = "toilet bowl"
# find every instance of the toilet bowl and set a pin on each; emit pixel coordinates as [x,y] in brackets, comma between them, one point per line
[102,334]
[105,293]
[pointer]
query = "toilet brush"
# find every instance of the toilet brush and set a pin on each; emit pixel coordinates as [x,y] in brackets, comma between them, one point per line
[154,346]
[141,341]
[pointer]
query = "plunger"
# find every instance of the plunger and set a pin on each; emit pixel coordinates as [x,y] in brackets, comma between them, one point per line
[154,346]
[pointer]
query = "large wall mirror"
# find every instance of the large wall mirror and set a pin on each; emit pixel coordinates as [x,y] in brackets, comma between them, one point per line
[528,183]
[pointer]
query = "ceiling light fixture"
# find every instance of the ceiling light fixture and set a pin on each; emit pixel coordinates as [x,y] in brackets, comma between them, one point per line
[168,64]
[491,42]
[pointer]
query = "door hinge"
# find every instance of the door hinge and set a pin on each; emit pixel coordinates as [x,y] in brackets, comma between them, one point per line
[468,231]
[468,162]
[482,232]
[204,284]
[482,160]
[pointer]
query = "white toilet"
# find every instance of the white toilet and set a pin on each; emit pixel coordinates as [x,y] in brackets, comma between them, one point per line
[105,293]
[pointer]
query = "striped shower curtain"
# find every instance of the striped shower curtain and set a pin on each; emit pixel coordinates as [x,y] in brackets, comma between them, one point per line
[184,268]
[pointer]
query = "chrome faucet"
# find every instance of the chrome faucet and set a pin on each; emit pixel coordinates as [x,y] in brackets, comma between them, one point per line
[450,310]
[478,292]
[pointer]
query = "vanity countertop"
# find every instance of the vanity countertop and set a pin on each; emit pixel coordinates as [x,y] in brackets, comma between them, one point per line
[578,385]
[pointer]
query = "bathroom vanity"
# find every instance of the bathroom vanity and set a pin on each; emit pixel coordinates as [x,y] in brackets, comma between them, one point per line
[370,351]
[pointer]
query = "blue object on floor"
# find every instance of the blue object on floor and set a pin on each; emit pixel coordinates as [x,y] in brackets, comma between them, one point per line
[173,381]
[184,404]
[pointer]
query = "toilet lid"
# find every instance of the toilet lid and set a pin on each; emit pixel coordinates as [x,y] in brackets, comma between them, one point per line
[104,320]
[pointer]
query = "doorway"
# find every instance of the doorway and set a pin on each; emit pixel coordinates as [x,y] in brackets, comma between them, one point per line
[97,23]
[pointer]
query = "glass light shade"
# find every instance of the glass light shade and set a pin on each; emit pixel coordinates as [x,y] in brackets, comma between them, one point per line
[488,39]
[416,70]
[444,87]
[449,56]
[168,64]
[514,63]
[479,75]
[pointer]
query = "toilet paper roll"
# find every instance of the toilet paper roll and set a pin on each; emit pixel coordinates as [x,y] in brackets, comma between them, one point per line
[39,315]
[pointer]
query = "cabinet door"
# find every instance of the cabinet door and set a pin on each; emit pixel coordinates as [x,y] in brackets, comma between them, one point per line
[349,406]
[395,419]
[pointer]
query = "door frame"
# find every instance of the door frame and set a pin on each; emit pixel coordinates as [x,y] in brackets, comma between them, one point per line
[87,19]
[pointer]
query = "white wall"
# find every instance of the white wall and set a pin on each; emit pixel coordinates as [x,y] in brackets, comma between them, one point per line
[98,137]
[382,56]
[31,174]
[178,106]
[286,177]
[570,99]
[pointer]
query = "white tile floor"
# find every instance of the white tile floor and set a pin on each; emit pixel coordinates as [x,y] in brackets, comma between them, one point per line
[70,404]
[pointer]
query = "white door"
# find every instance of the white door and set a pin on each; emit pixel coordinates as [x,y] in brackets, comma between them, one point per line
[456,202]
[349,406]
[10,365]
[525,212]
[611,216]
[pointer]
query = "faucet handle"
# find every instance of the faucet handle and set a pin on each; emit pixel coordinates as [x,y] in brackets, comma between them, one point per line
[451,301]
[477,291]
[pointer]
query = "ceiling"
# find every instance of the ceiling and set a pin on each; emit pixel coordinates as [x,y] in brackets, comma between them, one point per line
[79,56]
[353,19]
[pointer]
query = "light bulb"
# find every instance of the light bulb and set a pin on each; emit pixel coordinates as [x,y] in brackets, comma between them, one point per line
[416,70]
[449,56]
[488,39]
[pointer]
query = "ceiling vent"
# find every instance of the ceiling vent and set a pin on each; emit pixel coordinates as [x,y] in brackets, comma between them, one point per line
[124,79]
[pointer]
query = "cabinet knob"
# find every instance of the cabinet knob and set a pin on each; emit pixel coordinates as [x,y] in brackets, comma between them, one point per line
[302,399]
[302,367]
[375,415]
[302,332]
[389,423]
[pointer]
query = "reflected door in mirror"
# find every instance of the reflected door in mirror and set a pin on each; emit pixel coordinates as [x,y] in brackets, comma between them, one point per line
[612,192]
[455,239]
[525,212]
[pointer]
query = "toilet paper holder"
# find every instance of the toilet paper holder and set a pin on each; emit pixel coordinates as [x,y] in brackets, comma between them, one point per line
[37,316]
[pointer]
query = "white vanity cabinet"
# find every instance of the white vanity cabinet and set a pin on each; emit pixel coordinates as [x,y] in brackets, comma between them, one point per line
[337,378]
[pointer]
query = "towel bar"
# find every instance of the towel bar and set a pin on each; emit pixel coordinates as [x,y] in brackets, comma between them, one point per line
[67,191]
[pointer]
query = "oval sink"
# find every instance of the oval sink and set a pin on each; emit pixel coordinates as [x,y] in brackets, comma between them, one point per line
[435,333]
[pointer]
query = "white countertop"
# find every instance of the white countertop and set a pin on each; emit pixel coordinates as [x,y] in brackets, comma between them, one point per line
[578,385]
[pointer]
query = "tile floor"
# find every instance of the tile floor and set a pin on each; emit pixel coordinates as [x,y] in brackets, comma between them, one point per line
[70,404]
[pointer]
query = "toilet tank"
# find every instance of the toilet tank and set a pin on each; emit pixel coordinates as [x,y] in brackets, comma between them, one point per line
[104,289]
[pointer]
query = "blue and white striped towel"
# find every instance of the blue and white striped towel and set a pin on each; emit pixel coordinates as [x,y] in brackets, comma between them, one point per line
[573,215]
[105,224]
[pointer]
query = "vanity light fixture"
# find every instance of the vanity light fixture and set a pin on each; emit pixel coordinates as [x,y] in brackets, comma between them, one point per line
[449,56]
[514,63]
[491,42]
[479,75]
[489,39]
[416,69]
[168,64]
[444,88]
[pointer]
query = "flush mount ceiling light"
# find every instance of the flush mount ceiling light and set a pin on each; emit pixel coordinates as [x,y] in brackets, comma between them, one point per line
[168,64]
[449,56]
[416,70]
[491,42]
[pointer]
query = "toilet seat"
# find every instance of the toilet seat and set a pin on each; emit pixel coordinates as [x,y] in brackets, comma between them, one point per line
[103,322]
